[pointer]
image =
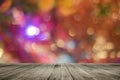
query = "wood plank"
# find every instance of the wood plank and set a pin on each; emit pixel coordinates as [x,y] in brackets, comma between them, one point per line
[55,75]
[60,71]
[65,75]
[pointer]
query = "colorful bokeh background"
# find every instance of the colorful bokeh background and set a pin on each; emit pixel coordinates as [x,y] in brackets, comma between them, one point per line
[59,31]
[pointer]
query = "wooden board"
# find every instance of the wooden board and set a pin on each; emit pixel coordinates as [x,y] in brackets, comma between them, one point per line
[59,71]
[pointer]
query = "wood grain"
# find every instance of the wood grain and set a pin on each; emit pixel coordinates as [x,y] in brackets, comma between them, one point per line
[59,71]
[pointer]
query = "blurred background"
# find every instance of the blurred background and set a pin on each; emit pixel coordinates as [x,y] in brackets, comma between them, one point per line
[59,31]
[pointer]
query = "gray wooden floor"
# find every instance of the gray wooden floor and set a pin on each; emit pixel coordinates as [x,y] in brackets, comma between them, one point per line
[59,71]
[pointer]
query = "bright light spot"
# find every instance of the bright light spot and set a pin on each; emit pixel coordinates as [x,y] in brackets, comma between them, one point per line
[102,55]
[99,44]
[32,30]
[100,40]
[72,33]
[99,47]
[1,52]
[90,31]
[60,43]
[109,46]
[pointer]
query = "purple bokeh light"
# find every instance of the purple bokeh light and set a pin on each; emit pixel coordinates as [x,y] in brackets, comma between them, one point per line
[32,30]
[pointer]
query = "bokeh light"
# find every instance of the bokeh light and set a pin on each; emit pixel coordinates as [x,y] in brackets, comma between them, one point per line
[1,52]
[59,31]
[60,43]
[32,30]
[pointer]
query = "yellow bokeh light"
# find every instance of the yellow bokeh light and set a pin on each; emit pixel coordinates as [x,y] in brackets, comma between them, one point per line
[1,52]
[72,33]
[60,43]
[109,46]
[67,7]
[100,40]
[90,31]
[102,55]
[46,5]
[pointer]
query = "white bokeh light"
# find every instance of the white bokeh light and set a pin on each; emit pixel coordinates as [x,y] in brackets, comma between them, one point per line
[32,30]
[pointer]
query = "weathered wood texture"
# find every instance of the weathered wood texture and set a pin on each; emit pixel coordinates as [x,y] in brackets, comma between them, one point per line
[59,71]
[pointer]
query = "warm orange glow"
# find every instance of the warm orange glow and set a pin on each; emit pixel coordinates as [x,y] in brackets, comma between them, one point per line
[46,5]
[5,6]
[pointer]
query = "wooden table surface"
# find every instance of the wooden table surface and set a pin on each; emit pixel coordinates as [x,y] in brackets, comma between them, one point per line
[60,71]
